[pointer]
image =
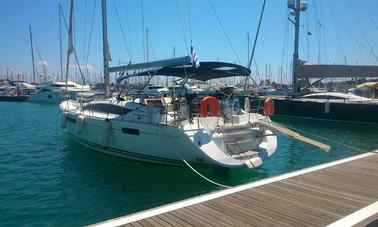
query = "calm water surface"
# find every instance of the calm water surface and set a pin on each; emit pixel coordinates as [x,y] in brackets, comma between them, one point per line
[47,179]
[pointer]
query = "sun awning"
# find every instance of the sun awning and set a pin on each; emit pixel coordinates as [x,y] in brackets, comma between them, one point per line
[206,71]
[336,71]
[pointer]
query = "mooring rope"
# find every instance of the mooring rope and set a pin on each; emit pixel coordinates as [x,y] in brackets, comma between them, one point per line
[199,174]
[191,167]
[329,140]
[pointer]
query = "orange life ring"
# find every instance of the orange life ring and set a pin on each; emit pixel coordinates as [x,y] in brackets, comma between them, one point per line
[205,102]
[268,107]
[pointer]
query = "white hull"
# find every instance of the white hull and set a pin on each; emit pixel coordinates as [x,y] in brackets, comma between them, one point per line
[53,92]
[47,97]
[154,143]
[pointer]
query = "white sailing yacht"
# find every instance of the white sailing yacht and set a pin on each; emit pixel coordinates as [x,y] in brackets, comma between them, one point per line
[174,129]
[53,92]
[168,129]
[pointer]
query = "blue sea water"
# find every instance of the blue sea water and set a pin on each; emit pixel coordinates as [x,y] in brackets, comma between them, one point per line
[47,179]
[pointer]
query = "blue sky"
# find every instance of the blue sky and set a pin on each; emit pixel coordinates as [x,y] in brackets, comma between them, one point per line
[341,30]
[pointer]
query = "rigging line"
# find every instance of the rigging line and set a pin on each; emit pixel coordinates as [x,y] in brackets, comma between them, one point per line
[128,26]
[342,26]
[143,35]
[152,47]
[60,43]
[308,36]
[285,38]
[318,30]
[350,34]
[40,56]
[338,40]
[190,22]
[257,34]
[254,44]
[122,31]
[369,15]
[85,28]
[323,33]
[257,70]
[362,30]
[225,32]
[326,139]
[90,36]
[74,49]
[182,27]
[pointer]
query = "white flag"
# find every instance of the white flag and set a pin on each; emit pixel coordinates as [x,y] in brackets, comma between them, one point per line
[195,60]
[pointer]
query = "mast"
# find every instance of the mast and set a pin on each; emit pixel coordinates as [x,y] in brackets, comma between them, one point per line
[297,6]
[295,86]
[32,52]
[60,43]
[70,42]
[147,45]
[105,49]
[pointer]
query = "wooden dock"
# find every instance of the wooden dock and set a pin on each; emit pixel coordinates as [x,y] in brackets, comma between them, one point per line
[340,193]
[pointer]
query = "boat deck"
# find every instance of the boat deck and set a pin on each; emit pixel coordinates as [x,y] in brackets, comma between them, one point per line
[342,193]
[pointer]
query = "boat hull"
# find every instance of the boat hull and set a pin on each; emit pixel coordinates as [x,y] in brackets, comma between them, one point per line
[50,96]
[141,142]
[355,112]
[20,98]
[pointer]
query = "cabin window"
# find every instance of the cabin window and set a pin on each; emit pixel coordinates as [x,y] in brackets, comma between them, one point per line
[62,85]
[155,87]
[154,102]
[323,97]
[45,90]
[131,131]
[107,108]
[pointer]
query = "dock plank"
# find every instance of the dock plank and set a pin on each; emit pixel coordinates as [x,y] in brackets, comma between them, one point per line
[310,198]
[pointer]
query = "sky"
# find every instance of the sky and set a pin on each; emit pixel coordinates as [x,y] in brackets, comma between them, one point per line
[332,31]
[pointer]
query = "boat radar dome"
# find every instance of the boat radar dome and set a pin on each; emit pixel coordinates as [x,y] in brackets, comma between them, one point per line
[302,5]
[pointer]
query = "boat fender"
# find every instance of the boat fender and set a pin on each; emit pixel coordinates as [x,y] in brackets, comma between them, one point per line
[205,102]
[327,107]
[63,121]
[80,124]
[106,133]
[247,105]
[268,107]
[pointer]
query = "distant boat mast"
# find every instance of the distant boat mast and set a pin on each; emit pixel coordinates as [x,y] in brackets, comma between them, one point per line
[60,42]
[32,52]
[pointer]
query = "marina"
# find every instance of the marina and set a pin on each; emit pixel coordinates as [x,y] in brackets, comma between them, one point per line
[48,180]
[116,116]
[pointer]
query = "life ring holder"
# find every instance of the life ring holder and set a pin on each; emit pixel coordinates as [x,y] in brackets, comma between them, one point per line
[269,107]
[205,102]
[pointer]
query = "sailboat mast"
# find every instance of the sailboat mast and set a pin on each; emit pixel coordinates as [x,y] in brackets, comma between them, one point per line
[106,53]
[297,11]
[147,58]
[70,42]
[32,52]
[60,43]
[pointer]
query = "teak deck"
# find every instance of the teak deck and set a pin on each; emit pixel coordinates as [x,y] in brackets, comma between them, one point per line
[317,196]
